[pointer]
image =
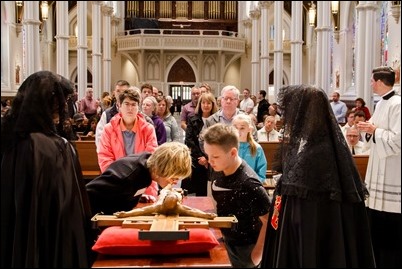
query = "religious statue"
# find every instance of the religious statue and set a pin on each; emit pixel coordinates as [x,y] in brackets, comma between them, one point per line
[169,203]
[337,80]
[17,74]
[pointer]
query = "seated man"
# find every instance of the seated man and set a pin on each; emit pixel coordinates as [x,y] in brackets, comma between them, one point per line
[268,132]
[356,147]
[169,203]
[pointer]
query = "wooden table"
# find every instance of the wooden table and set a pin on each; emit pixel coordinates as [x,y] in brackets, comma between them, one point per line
[217,257]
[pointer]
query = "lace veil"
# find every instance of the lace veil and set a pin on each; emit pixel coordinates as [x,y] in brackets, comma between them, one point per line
[314,159]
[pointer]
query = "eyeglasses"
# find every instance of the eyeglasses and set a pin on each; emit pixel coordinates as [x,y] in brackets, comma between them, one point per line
[229,99]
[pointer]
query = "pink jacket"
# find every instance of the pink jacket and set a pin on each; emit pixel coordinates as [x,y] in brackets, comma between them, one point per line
[111,145]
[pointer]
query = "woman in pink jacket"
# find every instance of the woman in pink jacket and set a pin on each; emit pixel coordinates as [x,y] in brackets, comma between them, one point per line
[127,132]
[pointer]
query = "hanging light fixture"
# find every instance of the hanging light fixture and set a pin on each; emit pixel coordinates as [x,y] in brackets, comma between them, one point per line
[335,7]
[18,3]
[45,10]
[311,14]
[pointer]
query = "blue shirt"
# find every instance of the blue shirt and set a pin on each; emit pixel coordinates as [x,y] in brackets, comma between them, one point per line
[258,162]
[339,108]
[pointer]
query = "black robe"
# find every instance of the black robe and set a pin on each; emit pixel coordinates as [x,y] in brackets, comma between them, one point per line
[45,213]
[318,218]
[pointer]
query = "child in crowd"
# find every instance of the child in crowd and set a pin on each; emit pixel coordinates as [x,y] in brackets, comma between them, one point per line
[249,150]
[237,191]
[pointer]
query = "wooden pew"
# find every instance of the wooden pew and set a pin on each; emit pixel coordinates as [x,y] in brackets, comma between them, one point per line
[88,158]
[87,138]
[361,163]
[270,149]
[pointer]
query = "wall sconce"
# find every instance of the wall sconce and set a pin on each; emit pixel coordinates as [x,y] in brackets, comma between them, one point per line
[18,17]
[334,7]
[396,10]
[311,14]
[335,13]
[18,11]
[45,10]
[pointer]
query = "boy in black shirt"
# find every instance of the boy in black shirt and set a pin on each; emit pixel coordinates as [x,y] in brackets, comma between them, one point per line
[237,191]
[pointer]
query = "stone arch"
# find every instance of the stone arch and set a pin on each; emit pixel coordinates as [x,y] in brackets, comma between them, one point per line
[182,59]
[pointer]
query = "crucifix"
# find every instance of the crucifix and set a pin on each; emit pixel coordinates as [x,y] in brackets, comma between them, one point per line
[166,219]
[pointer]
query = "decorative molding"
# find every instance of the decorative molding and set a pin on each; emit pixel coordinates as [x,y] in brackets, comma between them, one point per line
[265,4]
[255,14]
[247,23]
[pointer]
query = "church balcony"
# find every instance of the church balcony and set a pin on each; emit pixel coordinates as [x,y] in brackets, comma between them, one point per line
[180,40]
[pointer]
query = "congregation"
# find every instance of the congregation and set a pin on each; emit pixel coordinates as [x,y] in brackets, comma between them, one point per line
[219,137]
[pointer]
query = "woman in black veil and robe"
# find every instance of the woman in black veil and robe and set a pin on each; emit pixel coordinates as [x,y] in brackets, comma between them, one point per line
[45,214]
[318,216]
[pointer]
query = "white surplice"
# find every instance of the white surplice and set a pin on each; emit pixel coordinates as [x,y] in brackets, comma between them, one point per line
[383,177]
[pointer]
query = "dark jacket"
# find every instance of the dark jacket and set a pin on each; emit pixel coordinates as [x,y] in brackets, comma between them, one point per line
[193,130]
[262,110]
[119,188]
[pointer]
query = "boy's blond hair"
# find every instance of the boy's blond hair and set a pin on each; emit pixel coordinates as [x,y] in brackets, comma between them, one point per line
[171,160]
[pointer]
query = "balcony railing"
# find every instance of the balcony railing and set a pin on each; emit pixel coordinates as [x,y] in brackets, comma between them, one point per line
[73,42]
[180,39]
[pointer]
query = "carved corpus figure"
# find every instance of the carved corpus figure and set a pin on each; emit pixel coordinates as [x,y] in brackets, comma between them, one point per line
[169,203]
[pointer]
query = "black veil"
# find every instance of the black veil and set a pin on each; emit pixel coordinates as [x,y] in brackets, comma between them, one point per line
[45,212]
[38,97]
[314,157]
[318,218]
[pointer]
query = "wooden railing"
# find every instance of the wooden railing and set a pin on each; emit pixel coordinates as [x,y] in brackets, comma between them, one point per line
[270,149]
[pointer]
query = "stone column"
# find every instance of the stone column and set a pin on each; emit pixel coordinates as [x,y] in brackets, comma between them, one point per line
[264,6]
[107,61]
[366,33]
[31,39]
[82,48]
[278,48]
[296,43]
[324,29]
[255,51]
[96,50]
[62,39]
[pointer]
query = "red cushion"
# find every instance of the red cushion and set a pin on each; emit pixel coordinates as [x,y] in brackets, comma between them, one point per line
[116,240]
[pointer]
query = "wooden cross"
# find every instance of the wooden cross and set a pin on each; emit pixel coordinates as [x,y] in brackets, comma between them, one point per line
[161,227]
